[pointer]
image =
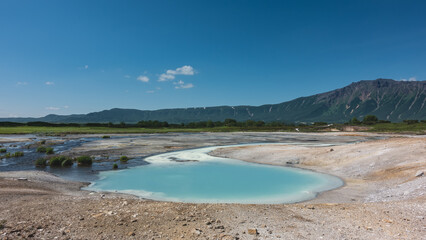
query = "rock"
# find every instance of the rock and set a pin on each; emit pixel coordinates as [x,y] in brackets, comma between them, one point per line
[22,179]
[219,227]
[196,231]
[420,174]
[131,234]
[331,150]
[227,237]
[252,231]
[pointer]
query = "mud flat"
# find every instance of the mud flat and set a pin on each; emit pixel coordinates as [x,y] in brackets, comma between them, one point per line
[382,199]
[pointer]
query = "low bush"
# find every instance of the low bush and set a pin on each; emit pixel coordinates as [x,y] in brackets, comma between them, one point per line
[56,161]
[3,150]
[41,162]
[124,159]
[49,150]
[106,136]
[18,154]
[115,166]
[42,142]
[84,161]
[67,162]
[41,149]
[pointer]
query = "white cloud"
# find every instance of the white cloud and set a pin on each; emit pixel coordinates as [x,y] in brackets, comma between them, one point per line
[127,76]
[170,74]
[66,107]
[411,79]
[185,70]
[86,66]
[53,108]
[179,83]
[182,85]
[143,78]
[165,77]
[49,83]
[21,83]
[150,91]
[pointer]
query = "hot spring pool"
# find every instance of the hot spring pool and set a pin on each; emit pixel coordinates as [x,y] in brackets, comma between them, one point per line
[194,176]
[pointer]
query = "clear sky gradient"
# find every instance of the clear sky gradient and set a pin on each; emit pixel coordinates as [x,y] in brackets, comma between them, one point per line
[65,57]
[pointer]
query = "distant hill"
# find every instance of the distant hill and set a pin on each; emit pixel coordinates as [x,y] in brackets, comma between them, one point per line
[385,98]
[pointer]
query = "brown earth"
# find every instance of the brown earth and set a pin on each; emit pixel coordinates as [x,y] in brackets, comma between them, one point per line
[382,199]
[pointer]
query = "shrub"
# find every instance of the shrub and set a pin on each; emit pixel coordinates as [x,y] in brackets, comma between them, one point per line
[56,161]
[67,162]
[41,149]
[124,159]
[3,150]
[49,150]
[354,121]
[370,119]
[84,161]
[409,121]
[7,155]
[106,136]
[42,142]
[18,154]
[41,162]
[115,166]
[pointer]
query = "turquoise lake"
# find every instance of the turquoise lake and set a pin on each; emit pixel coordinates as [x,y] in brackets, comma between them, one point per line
[194,176]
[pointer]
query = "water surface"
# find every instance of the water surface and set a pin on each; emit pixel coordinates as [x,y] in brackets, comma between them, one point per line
[193,176]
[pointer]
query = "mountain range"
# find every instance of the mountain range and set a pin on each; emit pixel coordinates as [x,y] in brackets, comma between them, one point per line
[387,99]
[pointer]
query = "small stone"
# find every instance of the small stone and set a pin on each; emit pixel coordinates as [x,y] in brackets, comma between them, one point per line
[420,174]
[252,231]
[196,231]
[331,150]
[131,234]
[219,227]
[134,220]
[227,237]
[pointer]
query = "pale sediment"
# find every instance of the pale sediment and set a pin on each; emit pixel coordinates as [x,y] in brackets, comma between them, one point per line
[382,199]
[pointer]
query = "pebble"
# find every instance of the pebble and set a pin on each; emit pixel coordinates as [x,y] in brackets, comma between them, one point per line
[252,231]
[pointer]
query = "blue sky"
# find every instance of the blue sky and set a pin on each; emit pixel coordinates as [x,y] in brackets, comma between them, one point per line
[65,57]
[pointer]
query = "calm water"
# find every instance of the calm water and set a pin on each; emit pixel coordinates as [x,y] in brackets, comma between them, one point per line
[194,176]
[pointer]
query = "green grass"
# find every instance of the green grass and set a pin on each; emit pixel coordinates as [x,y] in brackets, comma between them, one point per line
[84,161]
[380,127]
[419,128]
[41,162]
[124,159]
[49,150]
[41,149]
[106,130]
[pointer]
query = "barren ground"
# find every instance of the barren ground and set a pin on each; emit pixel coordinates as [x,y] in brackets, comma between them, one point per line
[382,199]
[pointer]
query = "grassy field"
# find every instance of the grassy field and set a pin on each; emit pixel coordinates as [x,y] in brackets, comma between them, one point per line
[106,130]
[417,128]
